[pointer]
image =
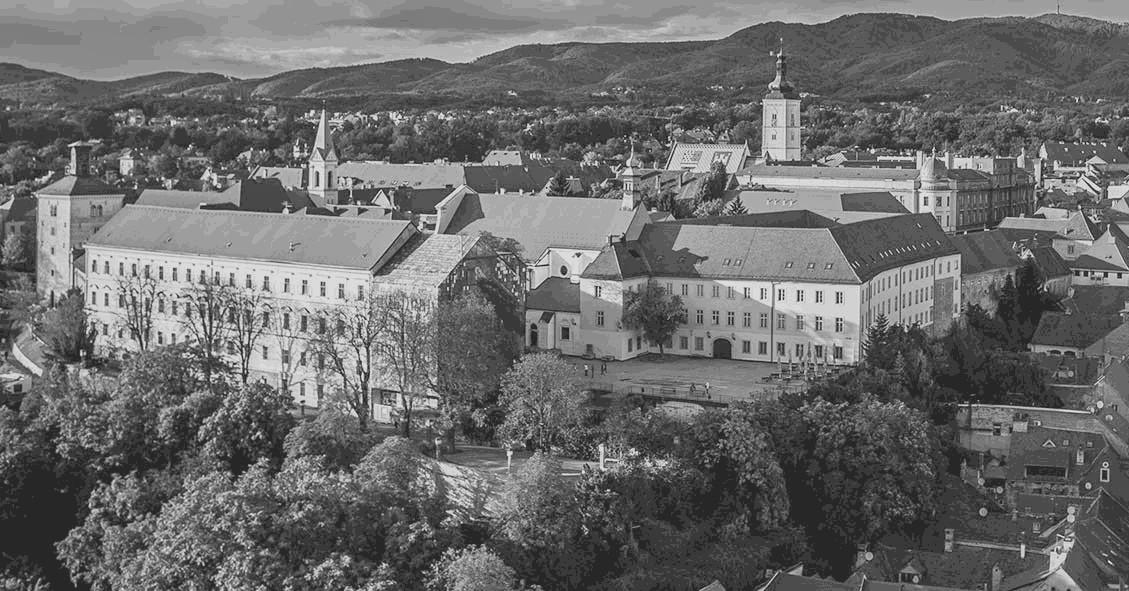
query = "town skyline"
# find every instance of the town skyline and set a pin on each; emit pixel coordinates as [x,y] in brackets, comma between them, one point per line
[125,38]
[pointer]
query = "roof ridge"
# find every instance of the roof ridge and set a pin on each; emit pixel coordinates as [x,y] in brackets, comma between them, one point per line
[218,212]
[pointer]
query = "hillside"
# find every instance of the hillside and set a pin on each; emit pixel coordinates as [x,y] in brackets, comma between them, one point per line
[854,54]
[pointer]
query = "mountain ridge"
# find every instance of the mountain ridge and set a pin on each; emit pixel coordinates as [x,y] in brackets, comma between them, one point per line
[852,54]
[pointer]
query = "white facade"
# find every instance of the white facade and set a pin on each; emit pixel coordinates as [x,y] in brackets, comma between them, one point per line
[775,321]
[294,298]
[780,137]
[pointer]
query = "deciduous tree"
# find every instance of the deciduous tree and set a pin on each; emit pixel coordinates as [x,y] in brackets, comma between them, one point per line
[67,331]
[654,312]
[541,400]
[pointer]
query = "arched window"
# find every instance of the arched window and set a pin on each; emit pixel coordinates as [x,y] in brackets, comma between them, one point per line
[317,179]
[329,179]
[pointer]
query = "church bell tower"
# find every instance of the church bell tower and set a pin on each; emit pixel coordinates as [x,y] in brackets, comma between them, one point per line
[780,131]
[323,164]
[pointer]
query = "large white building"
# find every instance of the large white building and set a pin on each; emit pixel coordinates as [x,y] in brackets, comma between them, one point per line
[299,268]
[788,286]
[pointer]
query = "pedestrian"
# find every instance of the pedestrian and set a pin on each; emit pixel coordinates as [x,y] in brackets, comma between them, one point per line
[604,368]
[708,391]
[691,388]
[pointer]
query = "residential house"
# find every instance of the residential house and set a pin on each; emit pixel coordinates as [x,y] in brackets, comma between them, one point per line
[825,202]
[1044,463]
[1104,336]
[265,195]
[700,157]
[1070,236]
[17,216]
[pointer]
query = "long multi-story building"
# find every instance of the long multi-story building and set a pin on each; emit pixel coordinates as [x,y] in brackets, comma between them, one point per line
[788,286]
[296,270]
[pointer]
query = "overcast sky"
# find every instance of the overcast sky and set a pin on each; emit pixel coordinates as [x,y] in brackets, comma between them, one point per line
[107,39]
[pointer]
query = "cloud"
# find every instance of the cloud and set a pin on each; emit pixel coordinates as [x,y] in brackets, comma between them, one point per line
[280,58]
[25,33]
[445,18]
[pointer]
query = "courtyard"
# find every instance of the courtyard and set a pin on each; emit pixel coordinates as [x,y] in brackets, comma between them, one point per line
[695,378]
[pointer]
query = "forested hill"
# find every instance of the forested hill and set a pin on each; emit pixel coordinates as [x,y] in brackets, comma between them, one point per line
[852,55]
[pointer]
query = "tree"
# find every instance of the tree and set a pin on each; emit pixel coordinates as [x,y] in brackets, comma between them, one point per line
[18,251]
[406,349]
[736,207]
[249,425]
[333,435]
[67,331]
[876,348]
[205,309]
[707,209]
[345,357]
[474,568]
[473,351]
[655,312]
[558,185]
[540,399]
[247,320]
[138,294]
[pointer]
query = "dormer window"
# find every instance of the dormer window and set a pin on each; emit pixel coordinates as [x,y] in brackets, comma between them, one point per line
[811,265]
[788,265]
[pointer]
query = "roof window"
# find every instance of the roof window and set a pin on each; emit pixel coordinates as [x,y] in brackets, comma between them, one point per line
[828,265]
[811,265]
[788,265]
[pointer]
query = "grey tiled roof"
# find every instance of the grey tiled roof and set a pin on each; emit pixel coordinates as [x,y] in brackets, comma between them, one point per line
[1073,330]
[426,260]
[76,185]
[354,243]
[556,294]
[1078,154]
[827,172]
[985,251]
[538,222]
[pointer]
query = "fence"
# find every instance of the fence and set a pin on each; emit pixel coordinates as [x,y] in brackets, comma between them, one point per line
[694,392]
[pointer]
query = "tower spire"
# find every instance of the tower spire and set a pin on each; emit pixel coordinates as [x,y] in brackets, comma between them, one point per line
[780,83]
[323,142]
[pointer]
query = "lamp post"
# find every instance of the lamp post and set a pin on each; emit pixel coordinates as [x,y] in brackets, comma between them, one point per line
[509,459]
[438,443]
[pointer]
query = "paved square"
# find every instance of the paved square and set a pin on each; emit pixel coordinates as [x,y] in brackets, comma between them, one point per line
[676,376]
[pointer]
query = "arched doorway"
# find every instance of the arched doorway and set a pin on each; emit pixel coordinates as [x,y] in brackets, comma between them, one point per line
[722,349]
[533,335]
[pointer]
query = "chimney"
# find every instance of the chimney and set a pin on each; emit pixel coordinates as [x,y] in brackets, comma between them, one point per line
[997,577]
[1022,550]
[1080,456]
[950,535]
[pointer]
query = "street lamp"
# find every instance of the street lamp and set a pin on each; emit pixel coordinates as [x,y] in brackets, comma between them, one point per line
[438,442]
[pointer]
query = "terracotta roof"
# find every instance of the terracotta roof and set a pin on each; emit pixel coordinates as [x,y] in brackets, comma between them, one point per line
[539,222]
[986,251]
[289,177]
[758,171]
[355,243]
[1074,227]
[1050,262]
[1076,331]
[75,186]
[963,568]
[1097,299]
[1075,155]
[700,157]
[556,294]
[426,260]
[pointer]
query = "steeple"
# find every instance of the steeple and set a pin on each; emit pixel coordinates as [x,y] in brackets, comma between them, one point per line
[781,84]
[323,143]
[631,193]
[321,181]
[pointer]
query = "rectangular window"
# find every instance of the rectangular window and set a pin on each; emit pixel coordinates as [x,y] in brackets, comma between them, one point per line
[716,290]
[701,290]
[302,358]
[600,318]
[731,293]
[685,292]
[161,306]
[746,347]
[748,293]
[764,293]
[106,299]
[266,352]
[564,333]
[762,348]
[699,317]
[121,269]
[305,287]
[304,323]
[799,322]
[699,344]
[266,283]
[248,283]
[780,321]
[266,319]
[747,320]
[838,325]
[321,289]
[838,297]
[819,351]
[781,350]
[683,343]
[285,285]
[599,291]
[360,293]
[780,295]
[231,279]
[161,273]
[1103,475]
[133,270]
[799,351]
[340,291]
[799,295]
[106,267]
[764,319]
[837,352]
[818,323]
[630,343]
[716,317]
[731,319]
[819,297]
[160,338]
[286,320]
[321,325]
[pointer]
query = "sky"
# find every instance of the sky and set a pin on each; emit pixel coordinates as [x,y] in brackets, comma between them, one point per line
[110,39]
